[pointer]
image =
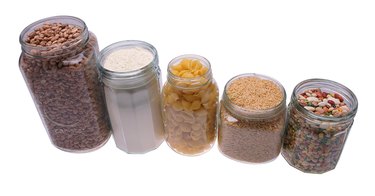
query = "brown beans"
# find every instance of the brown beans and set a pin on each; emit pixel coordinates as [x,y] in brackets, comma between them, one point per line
[64,82]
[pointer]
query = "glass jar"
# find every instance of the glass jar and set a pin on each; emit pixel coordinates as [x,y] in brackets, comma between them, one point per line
[58,63]
[313,143]
[133,98]
[251,135]
[190,106]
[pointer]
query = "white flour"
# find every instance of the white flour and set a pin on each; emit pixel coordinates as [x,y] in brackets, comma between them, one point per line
[128,59]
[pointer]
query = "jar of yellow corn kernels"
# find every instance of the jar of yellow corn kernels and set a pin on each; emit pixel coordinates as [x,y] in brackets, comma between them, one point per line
[190,101]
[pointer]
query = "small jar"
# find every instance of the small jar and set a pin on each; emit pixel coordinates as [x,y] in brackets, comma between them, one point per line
[316,132]
[190,101]
[132,88]
[58,63]
[252,118]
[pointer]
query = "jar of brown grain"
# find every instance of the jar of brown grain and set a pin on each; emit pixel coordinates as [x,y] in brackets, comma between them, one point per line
[252,118]
[58,63]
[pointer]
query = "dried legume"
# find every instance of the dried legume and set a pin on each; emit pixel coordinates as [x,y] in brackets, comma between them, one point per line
[318,125]
[59,67]
[323,103]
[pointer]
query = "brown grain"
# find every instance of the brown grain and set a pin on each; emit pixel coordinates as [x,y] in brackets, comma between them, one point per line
[254,93]
[253,141]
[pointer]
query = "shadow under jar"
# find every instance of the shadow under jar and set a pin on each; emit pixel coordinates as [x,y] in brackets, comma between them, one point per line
[58,63]
[190,101]
[321,113]
[132,87]
[252,118]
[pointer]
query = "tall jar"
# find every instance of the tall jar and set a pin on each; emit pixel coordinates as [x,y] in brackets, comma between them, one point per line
[132,87]
[58,63]
[252,118]
[321,113]
[190,100]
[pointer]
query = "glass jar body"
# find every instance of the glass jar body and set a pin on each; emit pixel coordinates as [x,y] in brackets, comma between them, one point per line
[190,131]
[64,84]
[251,135]
[190,111]
[133,101]
[250,140]
[313,143]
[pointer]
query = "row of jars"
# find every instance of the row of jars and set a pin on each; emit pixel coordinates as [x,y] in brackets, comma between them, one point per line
[80,101]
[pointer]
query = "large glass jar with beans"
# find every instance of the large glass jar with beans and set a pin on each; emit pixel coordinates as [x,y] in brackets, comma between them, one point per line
[190,100]
[321,113]
[58,63]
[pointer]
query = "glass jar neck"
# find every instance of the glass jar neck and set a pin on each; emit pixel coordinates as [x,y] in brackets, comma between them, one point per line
[133,78]
[330,87]
[55,50]
[192,83]
[247,114]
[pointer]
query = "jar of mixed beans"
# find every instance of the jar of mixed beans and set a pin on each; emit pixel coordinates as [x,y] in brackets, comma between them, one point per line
[190,100]
[58,63]
[321,113]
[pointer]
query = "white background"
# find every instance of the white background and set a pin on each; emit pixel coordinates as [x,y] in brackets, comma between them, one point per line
[288,40]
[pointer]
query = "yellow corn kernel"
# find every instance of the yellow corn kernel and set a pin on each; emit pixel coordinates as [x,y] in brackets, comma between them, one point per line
[196,105]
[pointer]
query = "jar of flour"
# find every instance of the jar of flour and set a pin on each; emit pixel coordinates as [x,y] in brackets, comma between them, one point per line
[131,79]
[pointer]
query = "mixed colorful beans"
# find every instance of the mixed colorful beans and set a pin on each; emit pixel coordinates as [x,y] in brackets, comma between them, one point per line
[317,128]
[323,103]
